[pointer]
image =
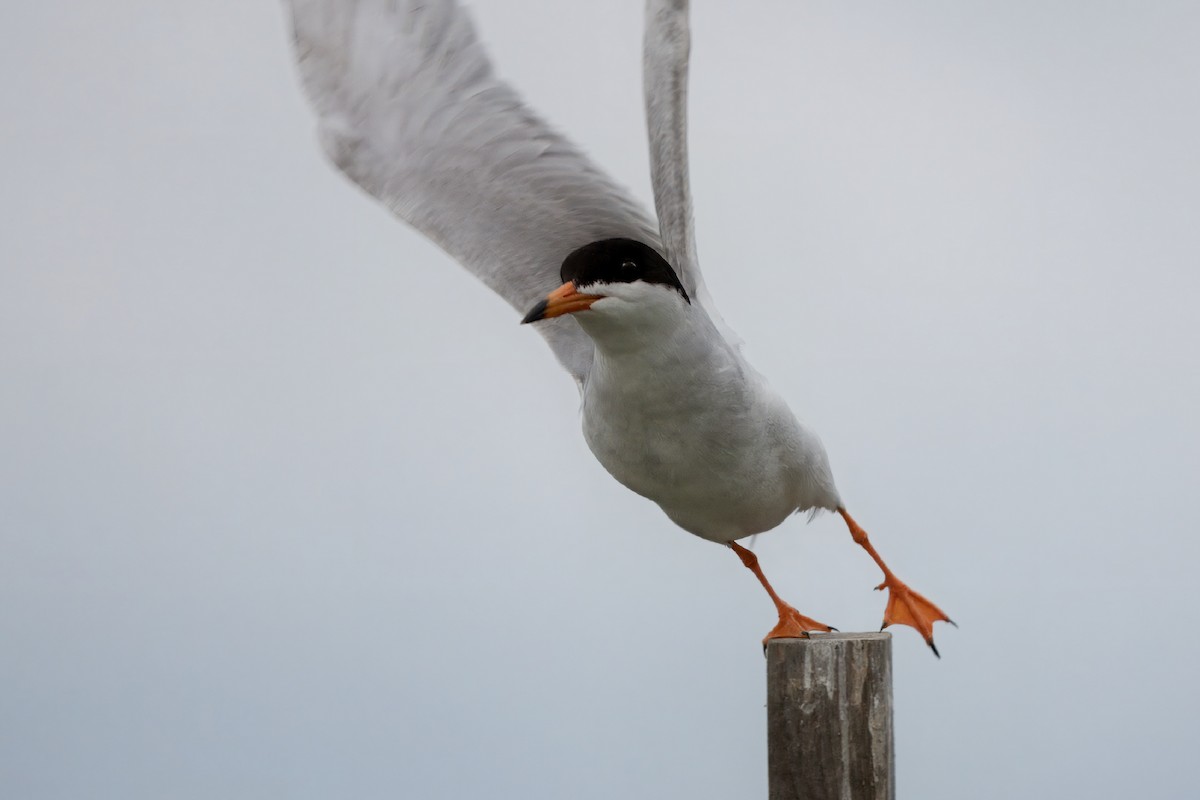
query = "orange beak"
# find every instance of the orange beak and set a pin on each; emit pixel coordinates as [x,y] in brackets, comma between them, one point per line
[563,300]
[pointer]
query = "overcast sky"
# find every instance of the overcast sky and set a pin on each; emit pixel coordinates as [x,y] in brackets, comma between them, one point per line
[290,506]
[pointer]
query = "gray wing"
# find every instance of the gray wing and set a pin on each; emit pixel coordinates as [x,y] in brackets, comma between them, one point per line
[411,111]
[665,52]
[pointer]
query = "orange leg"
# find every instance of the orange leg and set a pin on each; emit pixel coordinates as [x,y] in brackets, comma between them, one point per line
[792,624]
[905,607]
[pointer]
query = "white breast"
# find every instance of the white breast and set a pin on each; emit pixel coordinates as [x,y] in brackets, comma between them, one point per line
[685,422]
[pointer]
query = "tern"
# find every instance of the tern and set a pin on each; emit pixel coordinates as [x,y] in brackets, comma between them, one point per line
[411,110]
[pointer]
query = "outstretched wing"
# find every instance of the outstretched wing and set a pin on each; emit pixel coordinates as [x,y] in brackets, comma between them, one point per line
[666,49]
[412,112]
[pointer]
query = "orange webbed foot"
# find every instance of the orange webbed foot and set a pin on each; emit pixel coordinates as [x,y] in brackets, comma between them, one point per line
[906,607]
[794,625]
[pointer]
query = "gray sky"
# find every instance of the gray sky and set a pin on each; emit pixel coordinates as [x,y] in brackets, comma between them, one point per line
[292,507]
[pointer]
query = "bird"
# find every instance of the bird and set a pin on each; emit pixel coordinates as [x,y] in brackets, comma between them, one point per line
[411,109]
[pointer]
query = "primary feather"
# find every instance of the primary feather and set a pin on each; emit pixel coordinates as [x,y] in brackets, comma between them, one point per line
[411,110]
[666,53]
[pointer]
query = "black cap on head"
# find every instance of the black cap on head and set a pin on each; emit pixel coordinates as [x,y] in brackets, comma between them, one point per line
[619,261]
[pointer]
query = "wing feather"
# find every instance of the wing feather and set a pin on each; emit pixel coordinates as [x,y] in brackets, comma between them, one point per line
[666,52]
[411,110]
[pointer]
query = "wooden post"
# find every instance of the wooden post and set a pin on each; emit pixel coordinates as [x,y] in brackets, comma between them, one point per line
[829,717]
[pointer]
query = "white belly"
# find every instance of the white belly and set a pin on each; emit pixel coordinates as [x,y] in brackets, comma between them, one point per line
[676,414]
[723,462]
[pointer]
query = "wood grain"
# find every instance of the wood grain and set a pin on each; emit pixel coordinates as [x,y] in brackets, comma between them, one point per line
[829,717]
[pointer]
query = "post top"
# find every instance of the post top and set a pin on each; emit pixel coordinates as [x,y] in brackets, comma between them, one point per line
[816,638]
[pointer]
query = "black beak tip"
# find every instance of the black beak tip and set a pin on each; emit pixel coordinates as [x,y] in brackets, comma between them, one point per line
[535,313]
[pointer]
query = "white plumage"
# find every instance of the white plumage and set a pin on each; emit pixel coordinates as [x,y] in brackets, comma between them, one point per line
[675,413]
[411,110]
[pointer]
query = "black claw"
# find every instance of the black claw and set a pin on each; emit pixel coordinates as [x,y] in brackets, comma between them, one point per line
[933,647]
[952,622]
[884,625]
[833,629]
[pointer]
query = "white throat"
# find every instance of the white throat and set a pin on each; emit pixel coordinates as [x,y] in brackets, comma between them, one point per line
[638,317]
[673,412]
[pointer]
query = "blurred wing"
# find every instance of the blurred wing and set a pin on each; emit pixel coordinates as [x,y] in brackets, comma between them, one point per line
[665,52]
[411,111]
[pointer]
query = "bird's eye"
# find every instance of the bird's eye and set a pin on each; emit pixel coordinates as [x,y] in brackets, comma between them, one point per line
[628,265]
